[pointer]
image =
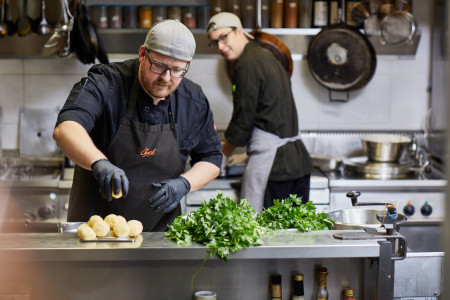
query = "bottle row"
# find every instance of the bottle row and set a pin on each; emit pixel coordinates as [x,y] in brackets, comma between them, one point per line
[298,292]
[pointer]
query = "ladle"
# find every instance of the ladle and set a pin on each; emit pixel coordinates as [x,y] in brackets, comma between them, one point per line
[43,27]
[24,23]
[56,41]
[3,25]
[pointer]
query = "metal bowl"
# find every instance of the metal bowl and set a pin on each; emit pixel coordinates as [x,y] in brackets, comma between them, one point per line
[358,218]
[385,147]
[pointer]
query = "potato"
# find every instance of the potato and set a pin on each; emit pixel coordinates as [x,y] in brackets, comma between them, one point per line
[85,232]
[135,227]
[94,219]
[111,220]
[117,196]
[121,219]
[121,229]
[101,228]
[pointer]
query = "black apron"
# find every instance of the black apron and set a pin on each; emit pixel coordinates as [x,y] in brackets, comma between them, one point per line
[147,154]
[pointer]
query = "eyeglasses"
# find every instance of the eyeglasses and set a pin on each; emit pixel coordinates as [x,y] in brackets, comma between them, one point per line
[160,68]
[222,39]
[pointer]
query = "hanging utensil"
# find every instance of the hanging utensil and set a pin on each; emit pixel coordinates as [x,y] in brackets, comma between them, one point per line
[24,23]
[12,26]
[372,25]
[65,50]
[43,28]
[3,25]
[398,27]
[341,58]
[56,41]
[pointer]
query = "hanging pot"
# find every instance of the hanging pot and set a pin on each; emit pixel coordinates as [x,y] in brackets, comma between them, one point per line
[341,58]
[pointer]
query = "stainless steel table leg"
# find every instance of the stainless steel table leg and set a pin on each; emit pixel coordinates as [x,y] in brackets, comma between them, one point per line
[385,280]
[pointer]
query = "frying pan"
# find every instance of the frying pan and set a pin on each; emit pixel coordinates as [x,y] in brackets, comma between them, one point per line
[272,43]
[341,58]
[84,38]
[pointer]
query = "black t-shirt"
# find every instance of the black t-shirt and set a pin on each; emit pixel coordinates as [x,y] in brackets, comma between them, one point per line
[262,98]
[99,103]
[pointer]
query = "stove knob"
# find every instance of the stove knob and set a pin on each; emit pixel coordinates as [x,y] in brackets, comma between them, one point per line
[426,209]
[45,211]
[409,209]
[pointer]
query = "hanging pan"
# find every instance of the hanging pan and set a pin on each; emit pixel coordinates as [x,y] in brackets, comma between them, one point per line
[341,58]
[270,42]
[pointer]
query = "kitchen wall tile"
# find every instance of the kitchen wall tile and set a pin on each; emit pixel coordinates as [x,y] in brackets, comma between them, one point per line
[48,91]
[56,65]
[11,97]
[11,66]
[10,135]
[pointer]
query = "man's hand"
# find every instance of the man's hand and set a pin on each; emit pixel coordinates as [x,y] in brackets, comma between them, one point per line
[108,175]
[237,159]
[170,193]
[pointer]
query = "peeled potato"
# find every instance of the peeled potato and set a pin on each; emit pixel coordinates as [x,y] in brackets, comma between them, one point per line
[135,227]
[121,219]
[121,229]
[101,228]
[111,220]
[85,232]
[117,196]
[94,219]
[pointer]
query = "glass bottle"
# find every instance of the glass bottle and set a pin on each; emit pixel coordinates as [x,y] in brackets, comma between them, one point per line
[248,13]
[299,291]
[319,13]
[265,14]
[290,13]
[333,12]
[322,291]
[304,13]
[276,287]
[348,294]
[276,13]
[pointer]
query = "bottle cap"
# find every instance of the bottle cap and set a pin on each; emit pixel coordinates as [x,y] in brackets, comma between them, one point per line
[348,293]
[298,277]
[276,279]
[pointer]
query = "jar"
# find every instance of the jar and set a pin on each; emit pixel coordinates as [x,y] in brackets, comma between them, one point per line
[248,13]
[115,16]
[203,15]
[290,13]
[276,13]
[217,6]
[234,7]
[174,13]
[304,13]
[130,16]
[159,13]
[189,16]
[265,13]
[145,16]
[205,295]
[99,15]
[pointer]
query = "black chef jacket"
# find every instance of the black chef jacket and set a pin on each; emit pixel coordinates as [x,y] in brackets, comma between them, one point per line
[99,102]
[262,97]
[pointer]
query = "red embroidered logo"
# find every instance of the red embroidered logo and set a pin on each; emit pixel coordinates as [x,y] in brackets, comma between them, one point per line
[147,152]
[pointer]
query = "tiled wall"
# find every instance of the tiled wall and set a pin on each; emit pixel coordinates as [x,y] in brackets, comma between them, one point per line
[396,98]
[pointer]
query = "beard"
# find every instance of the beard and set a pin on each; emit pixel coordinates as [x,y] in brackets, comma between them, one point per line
[157,88]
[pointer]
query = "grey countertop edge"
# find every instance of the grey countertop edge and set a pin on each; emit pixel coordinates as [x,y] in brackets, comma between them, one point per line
[154,246]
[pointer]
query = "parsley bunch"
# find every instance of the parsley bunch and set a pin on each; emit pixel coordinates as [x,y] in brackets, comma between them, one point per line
[221,224]
[291,213]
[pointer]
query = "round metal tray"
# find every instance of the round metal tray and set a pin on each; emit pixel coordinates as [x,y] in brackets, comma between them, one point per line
[376,170]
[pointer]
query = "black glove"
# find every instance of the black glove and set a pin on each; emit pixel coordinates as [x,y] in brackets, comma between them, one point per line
[107,174]
[170,193]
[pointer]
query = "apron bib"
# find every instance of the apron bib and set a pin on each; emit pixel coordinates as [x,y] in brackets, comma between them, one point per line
[147,154]
[261,149]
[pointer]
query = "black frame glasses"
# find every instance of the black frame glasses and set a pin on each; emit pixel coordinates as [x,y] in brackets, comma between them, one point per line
[160,68]
[222,39]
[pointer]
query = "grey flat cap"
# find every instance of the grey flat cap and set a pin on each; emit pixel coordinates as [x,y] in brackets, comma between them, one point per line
[171,38]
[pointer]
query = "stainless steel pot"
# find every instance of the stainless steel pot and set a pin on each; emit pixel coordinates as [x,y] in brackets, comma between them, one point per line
[385,147]
[358,218]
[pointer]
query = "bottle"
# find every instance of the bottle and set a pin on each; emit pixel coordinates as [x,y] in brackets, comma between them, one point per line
[276,287]
[348,294]
[304,13]
[348,12]
[322,291]
[319,13]
[276,13]
[248,13]
[265,13]
[333,12]
[290,13]
[299,291]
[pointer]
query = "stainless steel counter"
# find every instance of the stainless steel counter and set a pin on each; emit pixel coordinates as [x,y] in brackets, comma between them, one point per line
[286,244]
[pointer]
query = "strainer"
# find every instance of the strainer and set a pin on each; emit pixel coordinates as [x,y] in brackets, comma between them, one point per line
[398,27]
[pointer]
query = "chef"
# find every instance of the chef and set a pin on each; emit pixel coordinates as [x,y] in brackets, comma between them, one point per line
[264,117]
[130,127]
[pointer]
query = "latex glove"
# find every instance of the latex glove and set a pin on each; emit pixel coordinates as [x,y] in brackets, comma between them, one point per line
[236,159]
[170,193]
[108,174]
